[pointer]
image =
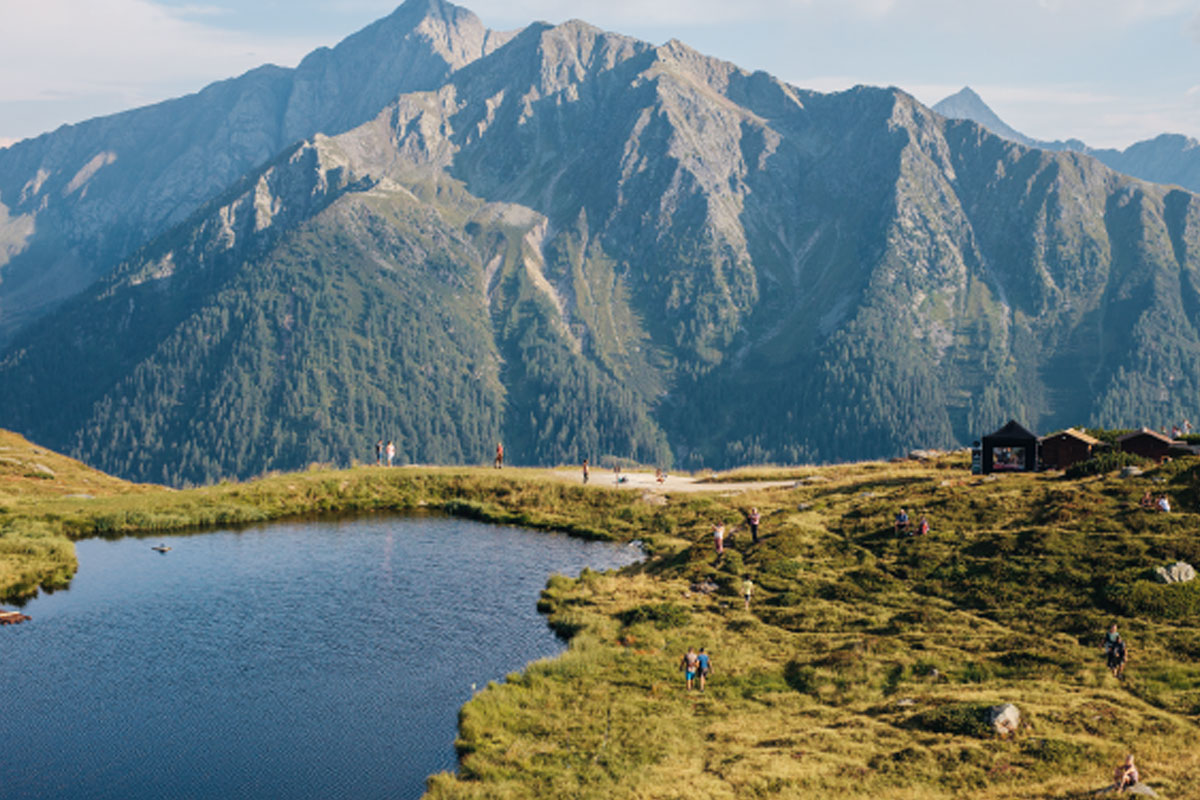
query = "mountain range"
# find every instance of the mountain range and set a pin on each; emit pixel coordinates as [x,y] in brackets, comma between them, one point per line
[1170,158]
[579,244]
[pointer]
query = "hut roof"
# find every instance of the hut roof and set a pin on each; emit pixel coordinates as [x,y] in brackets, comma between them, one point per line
[1074,434]
[1162,437]
[1013,430]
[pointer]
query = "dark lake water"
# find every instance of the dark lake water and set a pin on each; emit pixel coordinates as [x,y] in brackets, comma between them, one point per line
[306,660]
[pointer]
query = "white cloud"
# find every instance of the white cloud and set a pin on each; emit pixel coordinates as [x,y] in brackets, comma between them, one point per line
[618,14]
[685,13]
[133,50]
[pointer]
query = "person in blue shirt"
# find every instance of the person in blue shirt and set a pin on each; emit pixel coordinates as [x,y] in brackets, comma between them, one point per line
[704,666]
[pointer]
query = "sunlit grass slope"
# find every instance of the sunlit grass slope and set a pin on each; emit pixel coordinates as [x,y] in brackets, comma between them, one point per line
[867,662]
[862,668]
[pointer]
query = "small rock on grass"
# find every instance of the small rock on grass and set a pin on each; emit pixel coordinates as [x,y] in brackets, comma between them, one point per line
[1004,719]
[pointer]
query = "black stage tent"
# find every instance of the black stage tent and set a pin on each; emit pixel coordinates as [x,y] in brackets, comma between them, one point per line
[1010,449]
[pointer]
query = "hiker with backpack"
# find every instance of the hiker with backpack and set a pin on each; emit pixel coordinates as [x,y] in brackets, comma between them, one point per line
[690,666]
[1117,656]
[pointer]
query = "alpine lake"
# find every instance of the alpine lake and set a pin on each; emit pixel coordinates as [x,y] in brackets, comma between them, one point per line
[308,659]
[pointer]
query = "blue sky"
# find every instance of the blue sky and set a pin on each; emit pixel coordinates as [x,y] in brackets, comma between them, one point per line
[1109,72]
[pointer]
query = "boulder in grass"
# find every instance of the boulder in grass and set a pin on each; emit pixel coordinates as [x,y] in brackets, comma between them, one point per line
[1004,719]
[1179,572]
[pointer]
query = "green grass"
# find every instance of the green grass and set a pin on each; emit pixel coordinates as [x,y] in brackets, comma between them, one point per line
[862,668]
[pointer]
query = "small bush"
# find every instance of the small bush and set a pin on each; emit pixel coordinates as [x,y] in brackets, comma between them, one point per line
[801,677]
[663,615]
[1105,462]
[1157,600]
[961,719]
[1065,756]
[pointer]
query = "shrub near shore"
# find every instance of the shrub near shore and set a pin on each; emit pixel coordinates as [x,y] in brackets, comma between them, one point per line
[861,669]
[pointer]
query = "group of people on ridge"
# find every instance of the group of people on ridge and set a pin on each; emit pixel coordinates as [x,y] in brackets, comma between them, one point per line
[903,527]
[753,519]
[1152,503]
[387,451]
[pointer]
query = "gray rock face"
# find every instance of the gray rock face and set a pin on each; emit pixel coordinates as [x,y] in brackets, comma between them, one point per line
[1005,719]
[1130,472]
[76,201]
[1179,572]
[732,261]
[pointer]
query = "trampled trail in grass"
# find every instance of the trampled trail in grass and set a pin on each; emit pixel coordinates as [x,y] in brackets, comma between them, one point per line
[865,665]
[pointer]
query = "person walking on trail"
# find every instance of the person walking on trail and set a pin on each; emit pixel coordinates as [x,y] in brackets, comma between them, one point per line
[585,471]
[391,452]
[1110,639]
[719,538]
[1126,775]
[754,519]
[499,455]
[690,665]
[379,453]
[747,590]
[1117,656]
[703,667]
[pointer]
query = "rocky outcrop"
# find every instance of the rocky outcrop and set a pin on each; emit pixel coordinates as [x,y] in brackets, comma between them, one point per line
[1179,572]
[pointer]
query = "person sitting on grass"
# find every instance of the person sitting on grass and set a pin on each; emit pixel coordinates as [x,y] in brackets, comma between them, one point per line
[923,526]
[902,522]
[1164,504]
[1148,501]
[1126,775]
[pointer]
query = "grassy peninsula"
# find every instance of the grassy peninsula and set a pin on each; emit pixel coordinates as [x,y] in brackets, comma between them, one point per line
[862,669]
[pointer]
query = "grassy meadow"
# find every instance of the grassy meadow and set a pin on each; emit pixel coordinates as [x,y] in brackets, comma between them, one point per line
[862,669]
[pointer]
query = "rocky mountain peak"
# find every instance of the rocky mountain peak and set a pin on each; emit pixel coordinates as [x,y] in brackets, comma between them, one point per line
[967,104]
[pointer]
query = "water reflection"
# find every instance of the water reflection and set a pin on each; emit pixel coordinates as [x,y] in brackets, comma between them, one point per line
[296,660]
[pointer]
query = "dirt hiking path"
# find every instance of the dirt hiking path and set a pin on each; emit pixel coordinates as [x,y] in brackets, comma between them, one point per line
[672,484]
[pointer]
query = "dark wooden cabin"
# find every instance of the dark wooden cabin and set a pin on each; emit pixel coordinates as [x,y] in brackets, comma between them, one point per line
[1061,450]
[1148,444]
[1010,449]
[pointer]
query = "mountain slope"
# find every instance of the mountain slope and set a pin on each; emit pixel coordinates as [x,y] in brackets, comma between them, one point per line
[589,246]
[76,201]
[1167,158]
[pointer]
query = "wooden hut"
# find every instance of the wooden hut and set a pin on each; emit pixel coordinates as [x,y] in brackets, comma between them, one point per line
[1148,444]
[1010,449]
[1061,450]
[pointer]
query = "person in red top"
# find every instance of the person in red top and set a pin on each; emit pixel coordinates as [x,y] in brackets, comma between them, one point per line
[499,455]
